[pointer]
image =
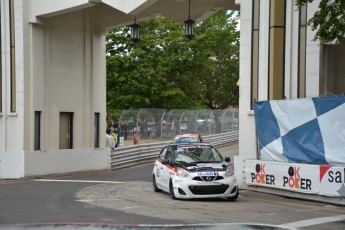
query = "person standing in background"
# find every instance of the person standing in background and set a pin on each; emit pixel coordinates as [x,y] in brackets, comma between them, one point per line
[135,138]
[109,139]
[114,134]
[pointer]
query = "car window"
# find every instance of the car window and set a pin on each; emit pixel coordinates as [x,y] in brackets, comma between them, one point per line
[163,153]
[209,155]
[183,158]
[186,139]
[197,153]
[167,153]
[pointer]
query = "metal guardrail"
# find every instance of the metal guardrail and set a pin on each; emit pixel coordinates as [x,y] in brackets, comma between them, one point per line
[124,157]
[223,139]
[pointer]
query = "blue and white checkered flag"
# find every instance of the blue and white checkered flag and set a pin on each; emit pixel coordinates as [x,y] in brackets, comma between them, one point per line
[308,130]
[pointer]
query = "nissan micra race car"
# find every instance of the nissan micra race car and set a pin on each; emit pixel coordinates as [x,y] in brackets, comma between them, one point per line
[194,170]
[187,137]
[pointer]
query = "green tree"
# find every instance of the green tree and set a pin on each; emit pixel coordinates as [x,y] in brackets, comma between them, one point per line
[328,21]
[217,59]
[165,70]
[140,75]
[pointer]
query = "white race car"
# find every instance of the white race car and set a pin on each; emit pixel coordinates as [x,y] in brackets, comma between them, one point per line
[194,170]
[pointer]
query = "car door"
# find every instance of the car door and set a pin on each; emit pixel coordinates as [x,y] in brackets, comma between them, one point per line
[165,170]
[159,167]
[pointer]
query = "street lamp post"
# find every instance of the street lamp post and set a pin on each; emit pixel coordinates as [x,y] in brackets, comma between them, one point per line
[189,26]
[135,31]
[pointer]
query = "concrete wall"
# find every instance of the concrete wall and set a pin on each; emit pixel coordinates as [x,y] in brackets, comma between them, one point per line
[60,67]
[69,56]
[17,164]
[12,123]
[246,138]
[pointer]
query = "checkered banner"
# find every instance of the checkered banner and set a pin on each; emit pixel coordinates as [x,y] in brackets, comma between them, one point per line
[308,130]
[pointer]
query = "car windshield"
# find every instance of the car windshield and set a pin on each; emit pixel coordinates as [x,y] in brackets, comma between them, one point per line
[186,139]
[196,154]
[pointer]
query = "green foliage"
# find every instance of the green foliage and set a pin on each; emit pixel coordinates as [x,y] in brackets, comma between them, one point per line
[166,70]
[328,21]
[217,55]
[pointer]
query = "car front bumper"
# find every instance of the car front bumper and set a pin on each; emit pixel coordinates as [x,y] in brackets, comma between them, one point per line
[187,188]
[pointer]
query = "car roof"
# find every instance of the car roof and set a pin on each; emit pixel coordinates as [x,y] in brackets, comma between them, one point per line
[191,144]
[187,134]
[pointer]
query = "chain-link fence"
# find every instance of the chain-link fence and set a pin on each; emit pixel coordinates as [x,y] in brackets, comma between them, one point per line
[159,124]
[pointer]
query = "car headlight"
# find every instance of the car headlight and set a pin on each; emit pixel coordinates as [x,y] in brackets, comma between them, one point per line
[181,172]
[229,171]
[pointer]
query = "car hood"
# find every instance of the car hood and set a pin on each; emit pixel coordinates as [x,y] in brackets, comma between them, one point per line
[219,166]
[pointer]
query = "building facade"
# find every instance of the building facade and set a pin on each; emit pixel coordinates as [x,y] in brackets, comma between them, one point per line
[280,60]
[53,90]
[53,78]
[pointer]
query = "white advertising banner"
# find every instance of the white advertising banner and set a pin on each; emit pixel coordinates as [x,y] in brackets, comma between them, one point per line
[332,181]
[313,179]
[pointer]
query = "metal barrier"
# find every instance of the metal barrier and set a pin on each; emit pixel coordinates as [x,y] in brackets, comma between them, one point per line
[124,157]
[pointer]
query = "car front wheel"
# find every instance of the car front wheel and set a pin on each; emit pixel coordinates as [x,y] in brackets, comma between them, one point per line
[233,197]
[155,187]
[171,190]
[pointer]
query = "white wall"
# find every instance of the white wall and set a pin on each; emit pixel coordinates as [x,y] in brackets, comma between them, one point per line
[247,138]
[11,124]
[69,76]
[17,164]
[12,164]
[66,161]
[312,57]
[246,119]
[60,67]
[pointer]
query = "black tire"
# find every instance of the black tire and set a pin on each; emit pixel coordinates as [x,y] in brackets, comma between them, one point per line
[234,197]
[171,191]
[155,187]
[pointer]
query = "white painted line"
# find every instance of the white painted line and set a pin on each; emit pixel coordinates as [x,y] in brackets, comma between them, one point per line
[81,181]
[115,198]
[211,226]
[307,210]
[129,207]
[305,223]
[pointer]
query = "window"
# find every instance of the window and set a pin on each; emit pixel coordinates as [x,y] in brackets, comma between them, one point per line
[332,70]
[66,131]
[37,134]
[255,51]
[96,130]
[276,49]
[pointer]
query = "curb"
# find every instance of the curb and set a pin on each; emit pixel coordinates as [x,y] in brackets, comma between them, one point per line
[337,201]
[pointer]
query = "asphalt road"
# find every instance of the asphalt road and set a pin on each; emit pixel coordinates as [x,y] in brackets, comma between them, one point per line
[124,199]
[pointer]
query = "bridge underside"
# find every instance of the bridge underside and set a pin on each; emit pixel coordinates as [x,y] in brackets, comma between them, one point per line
[115,13]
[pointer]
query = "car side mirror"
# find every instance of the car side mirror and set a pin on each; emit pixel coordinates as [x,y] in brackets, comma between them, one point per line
[165,161]
[227,159]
